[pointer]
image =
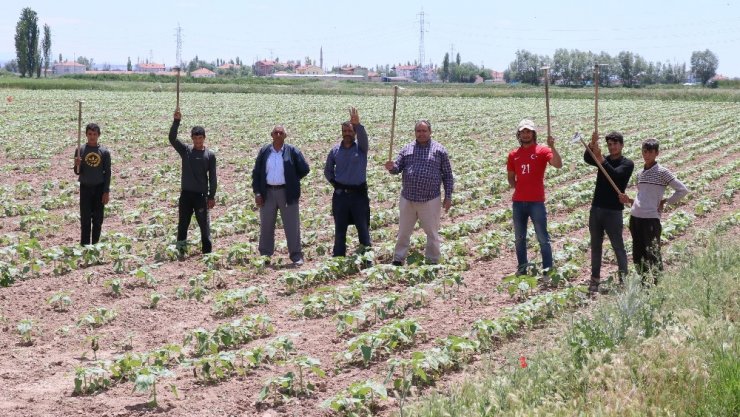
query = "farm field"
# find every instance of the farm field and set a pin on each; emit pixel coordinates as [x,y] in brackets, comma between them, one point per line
[106,329]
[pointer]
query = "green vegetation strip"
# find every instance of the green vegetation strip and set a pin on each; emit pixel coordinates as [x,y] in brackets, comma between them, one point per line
[669,350]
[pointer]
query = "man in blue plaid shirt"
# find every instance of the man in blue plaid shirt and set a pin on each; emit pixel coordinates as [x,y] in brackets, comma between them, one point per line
[425,166]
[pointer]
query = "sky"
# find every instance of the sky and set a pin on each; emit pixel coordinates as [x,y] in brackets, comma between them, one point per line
[371,33]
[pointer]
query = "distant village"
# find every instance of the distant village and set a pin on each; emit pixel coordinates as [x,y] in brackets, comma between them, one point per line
[277,69]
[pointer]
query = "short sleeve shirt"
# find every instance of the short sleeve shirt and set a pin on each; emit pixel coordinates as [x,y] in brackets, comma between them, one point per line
[528,165]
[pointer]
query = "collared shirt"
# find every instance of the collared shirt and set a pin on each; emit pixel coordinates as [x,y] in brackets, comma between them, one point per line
[275,168]
[424,168]
[348,166]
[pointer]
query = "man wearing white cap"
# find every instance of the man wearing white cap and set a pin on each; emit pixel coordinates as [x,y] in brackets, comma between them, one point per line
[526,174]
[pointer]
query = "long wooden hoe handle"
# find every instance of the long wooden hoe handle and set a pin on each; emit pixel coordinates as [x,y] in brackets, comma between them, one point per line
[601,167]
[177,106]
[393,122]
[79,128]
[596,98]
[547,100]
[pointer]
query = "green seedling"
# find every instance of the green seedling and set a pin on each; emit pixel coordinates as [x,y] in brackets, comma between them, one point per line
[25,329]
[60,301]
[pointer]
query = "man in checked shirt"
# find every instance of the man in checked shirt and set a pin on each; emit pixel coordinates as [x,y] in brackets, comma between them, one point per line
[425,166]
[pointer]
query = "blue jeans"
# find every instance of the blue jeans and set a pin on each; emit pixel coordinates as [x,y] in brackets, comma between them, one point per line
[522,211]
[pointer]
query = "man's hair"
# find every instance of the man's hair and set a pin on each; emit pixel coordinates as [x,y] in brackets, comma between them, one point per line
[650,145]
[423,122]
[92,126]
[198,131]
[347,124]
[615,137]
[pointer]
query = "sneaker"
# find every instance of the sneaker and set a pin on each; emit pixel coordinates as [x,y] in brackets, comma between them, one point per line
[593,286]
[298,263]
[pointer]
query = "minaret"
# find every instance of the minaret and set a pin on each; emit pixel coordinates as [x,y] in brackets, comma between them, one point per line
[321,57]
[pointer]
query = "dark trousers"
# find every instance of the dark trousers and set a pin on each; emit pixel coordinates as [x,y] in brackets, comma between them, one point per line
[191,202]
[646,245]
[607,221]
[91,212]
[348,207]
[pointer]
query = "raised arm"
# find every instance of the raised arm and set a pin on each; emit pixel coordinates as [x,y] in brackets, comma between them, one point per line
[179,146]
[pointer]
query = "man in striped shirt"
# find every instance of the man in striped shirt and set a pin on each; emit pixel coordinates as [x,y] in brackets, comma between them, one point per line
[425,166]
[647,206]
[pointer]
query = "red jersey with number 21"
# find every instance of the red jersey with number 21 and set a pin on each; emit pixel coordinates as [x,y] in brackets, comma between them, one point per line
[528,165]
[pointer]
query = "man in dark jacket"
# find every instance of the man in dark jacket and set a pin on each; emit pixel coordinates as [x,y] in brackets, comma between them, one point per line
[92,165]
[606,210]
[276,184]
[198,184]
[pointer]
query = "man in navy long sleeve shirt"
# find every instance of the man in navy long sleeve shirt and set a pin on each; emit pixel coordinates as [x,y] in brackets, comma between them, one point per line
[606,210]
[198,184]
[346,170]
[92,165]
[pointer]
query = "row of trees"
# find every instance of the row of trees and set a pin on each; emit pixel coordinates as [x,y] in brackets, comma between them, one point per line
[31,57]
[576,68]
[461,72]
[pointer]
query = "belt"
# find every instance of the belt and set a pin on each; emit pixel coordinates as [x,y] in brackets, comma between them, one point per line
[276,187]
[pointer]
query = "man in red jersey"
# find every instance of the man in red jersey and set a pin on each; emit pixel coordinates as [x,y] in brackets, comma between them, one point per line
[526,173]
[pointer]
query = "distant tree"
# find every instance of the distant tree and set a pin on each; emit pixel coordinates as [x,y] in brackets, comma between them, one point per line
[89,63]
[446,68]
[626,67]
[11,66]
[106,66]
[27,42]
[457,59]
[307,61]
[38,60]
[129,67]
[704,65]
[60,57]
[608,68]
[526,67]
[46,48]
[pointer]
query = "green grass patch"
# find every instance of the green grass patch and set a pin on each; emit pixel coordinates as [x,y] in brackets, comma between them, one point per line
[267,85]
[669,350]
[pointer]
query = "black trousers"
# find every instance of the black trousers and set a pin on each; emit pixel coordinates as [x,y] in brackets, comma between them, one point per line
[350,207]
[194,203]
[646,245]
[91,213]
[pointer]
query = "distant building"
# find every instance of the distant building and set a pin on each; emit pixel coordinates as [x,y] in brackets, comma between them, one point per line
[202,73]
[309,70]
[264,67]
[347,70]
[150,67]
[227,67]
[67,67]
[407,71]
[497,77]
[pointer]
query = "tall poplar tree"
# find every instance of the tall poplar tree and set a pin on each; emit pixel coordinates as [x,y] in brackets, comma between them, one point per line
[27,42]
